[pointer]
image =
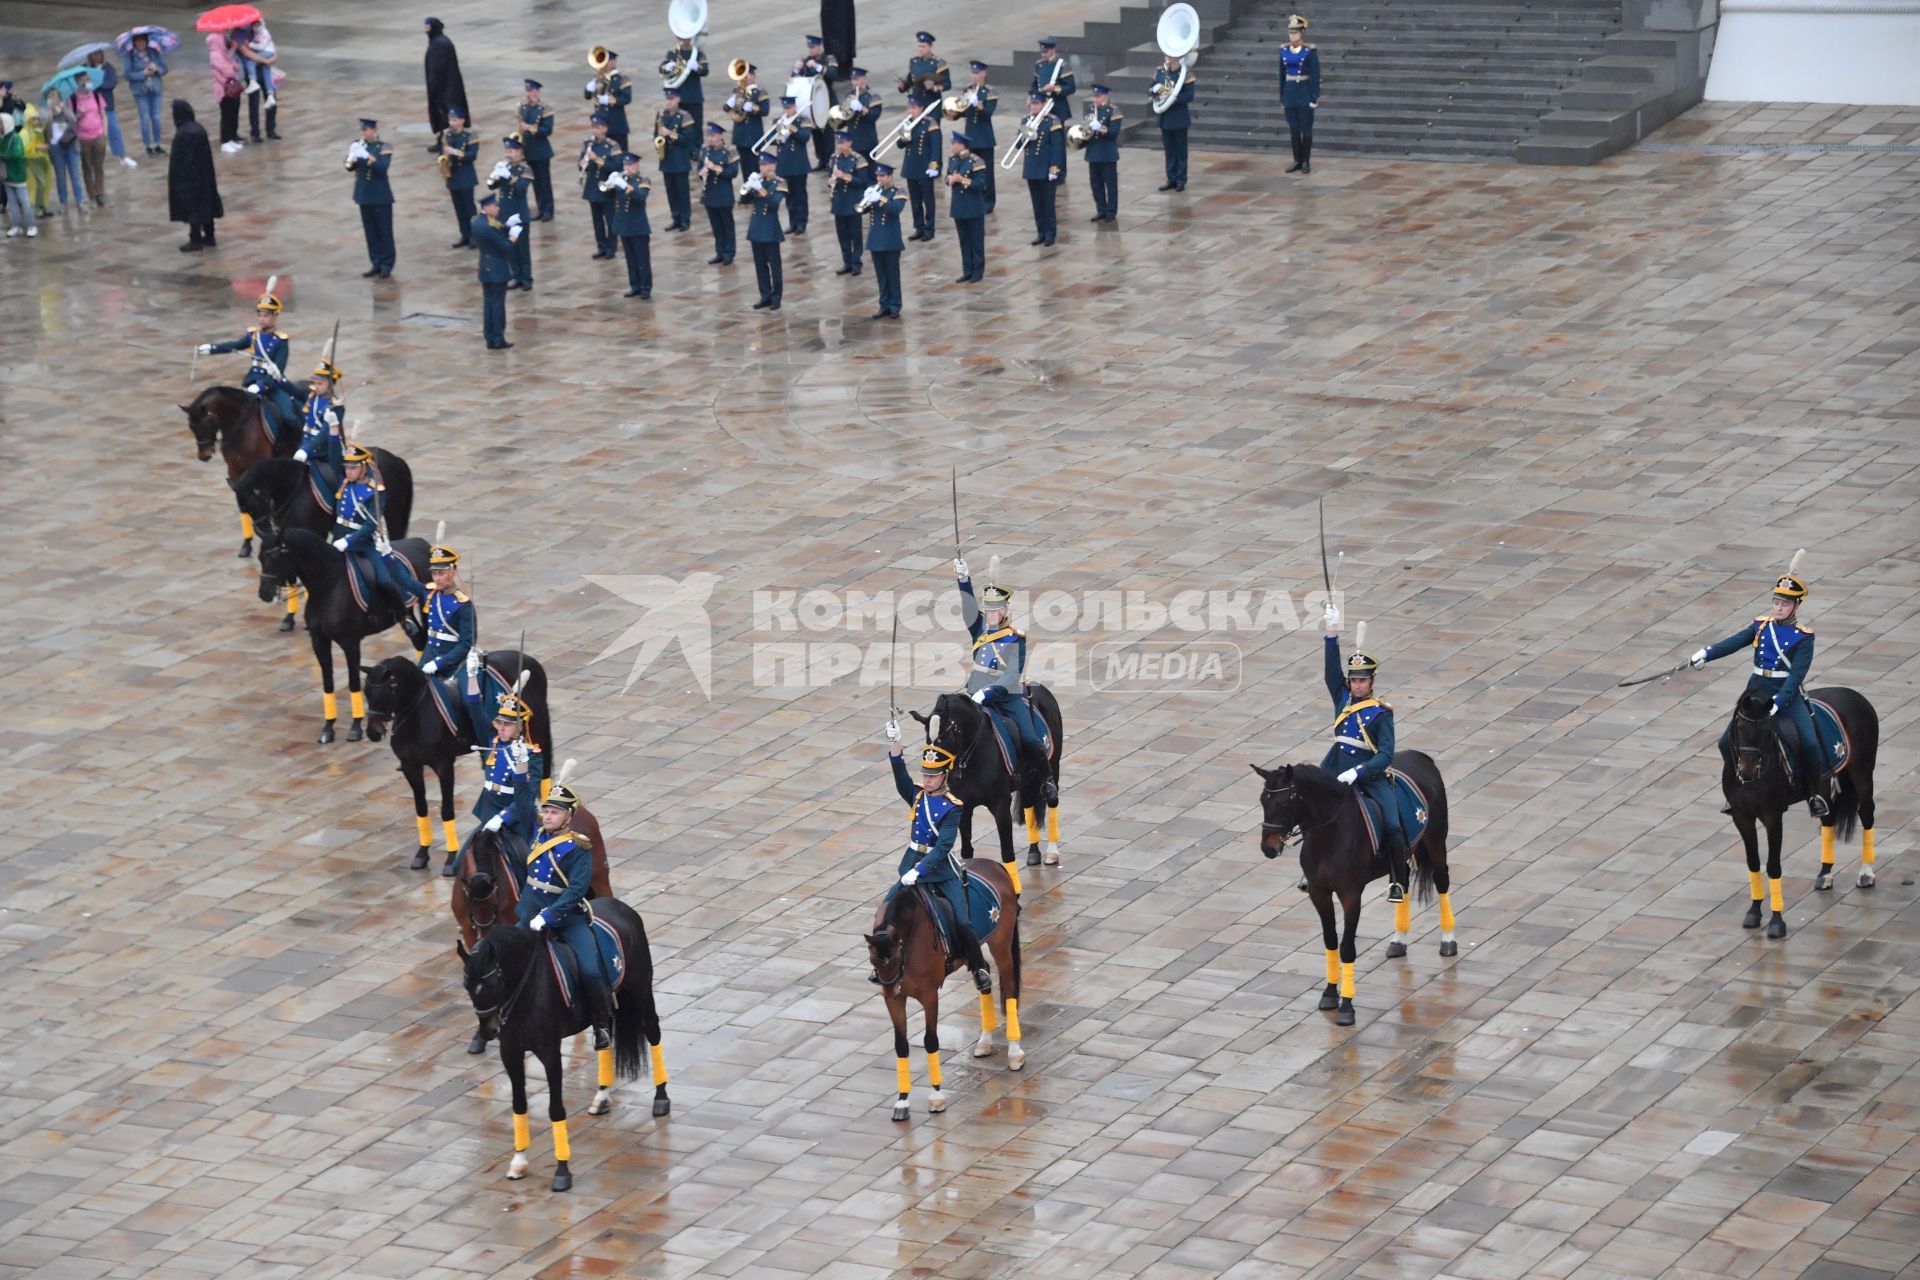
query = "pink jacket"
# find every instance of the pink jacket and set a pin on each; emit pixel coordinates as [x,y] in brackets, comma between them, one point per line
[89,116]
[226,71]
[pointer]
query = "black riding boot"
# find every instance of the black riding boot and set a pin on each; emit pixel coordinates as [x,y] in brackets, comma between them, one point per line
[1397,868]
[976,962]
[1295,166]
[1818,791]
[600,1005]
[1035,765]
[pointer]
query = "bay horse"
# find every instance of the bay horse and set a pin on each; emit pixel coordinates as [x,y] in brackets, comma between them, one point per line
[518,998]
[1759,790]
[234,422]
[277,493]
[979,777]
[399,694]
[906,952]
[292,557]
[486,885]
[1338,859]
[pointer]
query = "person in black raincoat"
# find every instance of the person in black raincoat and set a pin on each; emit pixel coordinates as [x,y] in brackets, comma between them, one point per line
[445,88]
[193,193]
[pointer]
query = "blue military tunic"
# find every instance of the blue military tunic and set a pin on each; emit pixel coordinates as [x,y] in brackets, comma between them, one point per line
[883,234]
[1104,146]
[320,439]
[1299,75]
[763,226]
[1046,152]
[370,184]
[931,832]
[976,126]
[920,70]
[865,125]
[620,90]
[461,147]
[1178,116]
[451,629]
[752,106]
[847,190]
[1782,657]
[1362,738]
[1044,73]
[559,872]
[536,130]
[792,160]
[510,790]
[716,189]
[999,667]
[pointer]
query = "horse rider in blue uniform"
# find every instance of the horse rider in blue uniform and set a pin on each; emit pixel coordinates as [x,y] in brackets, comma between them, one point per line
[997,681]
[1102,154]
[367,160]
[452,628]
[1782,655]
[847,183]
[513,181]
[267,349]
[885,205]
[717,169]
[323,428]
[511,767]
[1299,91]
[458,151]
[1174,121]
[764,191]
[553,898]
[495,240]
[357,533]
[1362,748]
[976,124]
[929,858]
[536,141]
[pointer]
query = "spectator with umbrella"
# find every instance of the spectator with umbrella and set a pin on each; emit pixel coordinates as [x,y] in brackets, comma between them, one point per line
[93,55]
[193,193]
[63,147]
[445,88]
[221,24]
[145,49]
[80,86]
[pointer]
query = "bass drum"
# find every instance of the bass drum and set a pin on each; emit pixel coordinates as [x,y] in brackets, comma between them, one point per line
[810,93]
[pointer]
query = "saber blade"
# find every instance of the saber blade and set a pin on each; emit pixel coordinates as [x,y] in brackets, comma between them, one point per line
[1326,579]
[953,475]
[1658,675]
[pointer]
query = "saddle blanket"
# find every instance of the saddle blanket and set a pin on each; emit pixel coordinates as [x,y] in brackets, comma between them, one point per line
[566,966]
[1835,747]
[449,700]
[983,912]
[1412,809]
[1006,738]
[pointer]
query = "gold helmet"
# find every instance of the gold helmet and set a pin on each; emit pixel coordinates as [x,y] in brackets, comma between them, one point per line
[1296,23]
[513,707]
[268,300]
[356,452]
[329,370]
[440,555]
[1790,585]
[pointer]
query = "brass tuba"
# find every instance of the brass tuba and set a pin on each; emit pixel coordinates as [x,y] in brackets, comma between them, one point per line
[598,58]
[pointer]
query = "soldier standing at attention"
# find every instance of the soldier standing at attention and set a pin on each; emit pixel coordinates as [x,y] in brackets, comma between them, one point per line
[627,208]
[717,168]
[968,210]
[884,241]
[1103,156]
[676,129]
[495,241]
[846,183]
[1299,91]
[599,160]
[536,140]
[367,160]
[458,149]
[764,191]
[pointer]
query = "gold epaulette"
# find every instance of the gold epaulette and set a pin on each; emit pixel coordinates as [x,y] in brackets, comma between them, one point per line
[1765,617]
[462,596]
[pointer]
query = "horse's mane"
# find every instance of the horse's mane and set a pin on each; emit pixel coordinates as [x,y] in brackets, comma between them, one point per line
[891,914]
[221,389]
[1316,782]
[1751,701]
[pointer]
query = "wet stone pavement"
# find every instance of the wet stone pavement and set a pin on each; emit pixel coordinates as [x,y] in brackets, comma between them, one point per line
[1567,424]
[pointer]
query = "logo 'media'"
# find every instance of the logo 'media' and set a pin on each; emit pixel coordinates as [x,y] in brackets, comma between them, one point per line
[675,610]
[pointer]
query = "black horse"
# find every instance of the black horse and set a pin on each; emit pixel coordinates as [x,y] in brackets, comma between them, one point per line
[279,493]
[398,691]
[980,779]
[520,1004]
[1758,790]
[334,617]
[233,421]
[1337,858]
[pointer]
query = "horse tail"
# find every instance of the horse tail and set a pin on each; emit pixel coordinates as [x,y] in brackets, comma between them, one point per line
[1422,874]
[635,1022]
[398,506]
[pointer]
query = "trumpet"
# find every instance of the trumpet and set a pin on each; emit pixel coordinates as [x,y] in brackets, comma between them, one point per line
[959,104]
[870,200]
[778,134]
[901,135]
[752,187]
[615,181]
[1029,130]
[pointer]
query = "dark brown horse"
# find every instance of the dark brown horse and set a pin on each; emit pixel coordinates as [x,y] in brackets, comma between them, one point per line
[906,952]
[233,422]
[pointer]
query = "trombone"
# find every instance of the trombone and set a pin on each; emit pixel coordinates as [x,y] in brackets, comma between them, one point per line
[901,135]
[781,130]
[1029,130]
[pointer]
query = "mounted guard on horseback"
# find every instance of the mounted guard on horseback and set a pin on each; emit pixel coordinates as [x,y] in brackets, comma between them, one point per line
[512,767]
[1362,749]
[323,426]
[267,350]
[452,628]
[996,679]
[557,875]
[929,857]
[358,534]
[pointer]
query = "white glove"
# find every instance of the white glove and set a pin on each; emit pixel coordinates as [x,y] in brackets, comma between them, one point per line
[299,455]
[500,171]
[494,823]
[1330,616]
[1698,660]
[339,544]
[381,544]
[430,667]
[933,171]
[619,180]
[606,99]
[733,100]
[206,348]
[1773,711]
[591,84]
[960,568]
[893,731]
[980,697]
[913,875]
[473,662]
[358,151]
[1350,776]
[513,234]
[513,219]
[518,756]
[538,922]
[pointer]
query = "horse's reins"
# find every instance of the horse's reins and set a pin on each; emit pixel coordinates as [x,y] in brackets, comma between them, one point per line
[1287,829]
[505,1007]
[1744,718]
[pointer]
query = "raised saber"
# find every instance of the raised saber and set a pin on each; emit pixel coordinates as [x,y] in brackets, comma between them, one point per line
[953,474]
[893,657]
[1326,579]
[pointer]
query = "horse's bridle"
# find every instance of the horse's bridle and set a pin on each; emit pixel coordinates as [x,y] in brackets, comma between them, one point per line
[1287,830]
[1759,752]
[505,1008]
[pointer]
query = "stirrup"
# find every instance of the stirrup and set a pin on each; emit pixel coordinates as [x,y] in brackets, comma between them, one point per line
[1396,893]
[1817,805]
[983,980]
[601,1040]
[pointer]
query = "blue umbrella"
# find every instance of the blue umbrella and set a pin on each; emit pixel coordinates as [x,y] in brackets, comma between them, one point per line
[159,37]
[67,81]
[81,54]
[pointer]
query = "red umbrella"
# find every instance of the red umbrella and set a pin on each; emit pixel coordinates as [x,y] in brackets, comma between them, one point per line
[227,17]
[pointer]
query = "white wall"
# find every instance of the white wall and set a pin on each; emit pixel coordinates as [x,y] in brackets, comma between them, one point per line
[1864,52]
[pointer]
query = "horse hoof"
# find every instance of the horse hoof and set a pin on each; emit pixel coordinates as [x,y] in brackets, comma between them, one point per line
[1751,920]
[900,1110]
[1016,1057]
[374,734]
[355,732]
[479,1045]
[1053,857]
[600,1105]
[1344,1018]
[1302,885]
[1033,855]
[1866,880]
[446,868]
[1330,998]
[562,1179]
[662,1105]
[983,1049]
[936,1104]
[518,1169]
[246,549]
[286,622]
[1449,948]
[326,734]
[1395,950]
[1823,881]
[420,859]
[1776,927]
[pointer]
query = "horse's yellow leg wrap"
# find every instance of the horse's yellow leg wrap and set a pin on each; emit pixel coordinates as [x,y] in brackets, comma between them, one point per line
[1013,1020]
[1346,978]
[1013,874]
[1757,884]
[424,825]
[521,1139]
[1446,912]
[1775,898]
[546,785]
[358,701]
[1826,846]
[606,1067]
[1053,824]
[293,600]
[246,525]
[903,1076]
[451,831]
[1866,846]
[1033,827]
[1402,916]
[659,1055]
[1333,967]
[330,705]
[562,1149]
[933,1068]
